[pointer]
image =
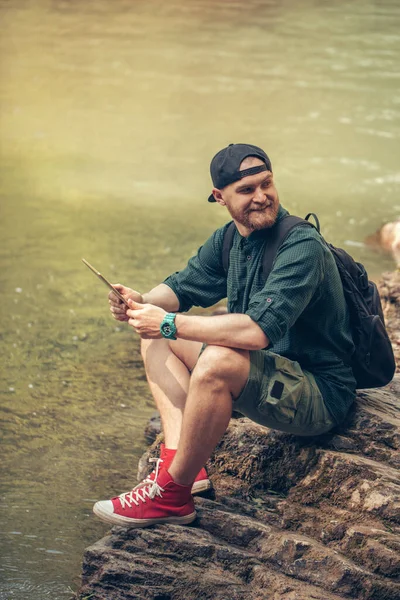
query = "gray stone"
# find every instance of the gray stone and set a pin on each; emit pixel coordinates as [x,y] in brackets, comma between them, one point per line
[153,427]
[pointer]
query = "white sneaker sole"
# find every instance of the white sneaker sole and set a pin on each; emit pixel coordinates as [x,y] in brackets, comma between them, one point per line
[201,486]
[126,521]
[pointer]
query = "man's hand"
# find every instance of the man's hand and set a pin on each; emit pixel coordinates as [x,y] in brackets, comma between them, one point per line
[145,319]
[118,309]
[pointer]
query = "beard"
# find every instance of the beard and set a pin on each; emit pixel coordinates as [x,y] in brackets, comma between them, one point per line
[257,218]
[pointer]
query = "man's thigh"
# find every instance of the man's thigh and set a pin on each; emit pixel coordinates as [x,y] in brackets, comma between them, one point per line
[187,351]
[281,395]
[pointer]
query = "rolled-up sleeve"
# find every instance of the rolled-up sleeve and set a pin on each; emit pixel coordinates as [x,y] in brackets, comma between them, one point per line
[297,273]
[203,281]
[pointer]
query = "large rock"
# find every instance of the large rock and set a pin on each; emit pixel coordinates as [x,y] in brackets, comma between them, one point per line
[291,518]
[389,291]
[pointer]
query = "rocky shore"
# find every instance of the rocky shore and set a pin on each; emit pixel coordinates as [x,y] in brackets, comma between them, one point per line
[389,290]
[290,518]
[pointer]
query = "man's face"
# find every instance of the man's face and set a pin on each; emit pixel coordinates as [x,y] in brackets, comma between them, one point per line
[253,201]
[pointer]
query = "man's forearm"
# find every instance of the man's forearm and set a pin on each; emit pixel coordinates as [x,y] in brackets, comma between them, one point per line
[231,330]
[163,296]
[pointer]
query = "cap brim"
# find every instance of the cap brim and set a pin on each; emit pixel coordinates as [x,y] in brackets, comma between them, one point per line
[211,198]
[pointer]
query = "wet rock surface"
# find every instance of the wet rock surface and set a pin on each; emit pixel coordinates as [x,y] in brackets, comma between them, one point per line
[289,518]
[153,427]
[389,291]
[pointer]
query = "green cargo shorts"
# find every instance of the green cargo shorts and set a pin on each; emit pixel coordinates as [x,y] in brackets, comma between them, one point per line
[281,395]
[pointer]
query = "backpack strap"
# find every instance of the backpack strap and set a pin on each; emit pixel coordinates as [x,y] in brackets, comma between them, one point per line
[276,236]
[314,216]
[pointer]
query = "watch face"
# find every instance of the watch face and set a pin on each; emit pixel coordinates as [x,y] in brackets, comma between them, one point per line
[167,327]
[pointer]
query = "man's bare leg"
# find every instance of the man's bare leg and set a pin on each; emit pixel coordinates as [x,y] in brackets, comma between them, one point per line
[168,365]
[219,376]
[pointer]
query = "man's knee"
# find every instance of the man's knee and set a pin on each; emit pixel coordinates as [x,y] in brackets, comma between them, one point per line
[148,346]
[186,351]
[219,365]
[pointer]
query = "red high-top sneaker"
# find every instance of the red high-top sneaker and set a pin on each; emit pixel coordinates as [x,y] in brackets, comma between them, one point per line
[201,483]
[159,501]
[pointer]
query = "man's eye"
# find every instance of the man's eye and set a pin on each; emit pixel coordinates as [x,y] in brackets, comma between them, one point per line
[246,191]
[266,184]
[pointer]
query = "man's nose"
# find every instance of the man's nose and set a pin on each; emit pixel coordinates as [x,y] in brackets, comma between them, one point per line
[259,196]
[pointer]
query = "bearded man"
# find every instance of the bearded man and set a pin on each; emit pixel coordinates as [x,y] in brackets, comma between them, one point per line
[280,356]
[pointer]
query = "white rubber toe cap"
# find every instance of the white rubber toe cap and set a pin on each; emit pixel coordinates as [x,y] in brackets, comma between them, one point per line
[104,507]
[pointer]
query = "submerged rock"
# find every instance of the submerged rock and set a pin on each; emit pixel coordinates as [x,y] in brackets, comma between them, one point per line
[291,518]
[388,238]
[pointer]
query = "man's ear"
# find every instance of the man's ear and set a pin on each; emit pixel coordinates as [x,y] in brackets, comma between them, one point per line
[218,196]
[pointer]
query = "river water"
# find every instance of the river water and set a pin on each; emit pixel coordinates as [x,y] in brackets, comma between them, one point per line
[110,113]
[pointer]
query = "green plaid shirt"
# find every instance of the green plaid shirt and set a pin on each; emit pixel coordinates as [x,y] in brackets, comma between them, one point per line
[301,307]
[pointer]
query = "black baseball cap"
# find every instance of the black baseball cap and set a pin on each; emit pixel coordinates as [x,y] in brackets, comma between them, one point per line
[224,167]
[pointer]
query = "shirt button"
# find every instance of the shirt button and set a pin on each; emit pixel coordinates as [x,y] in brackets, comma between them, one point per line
[249,257]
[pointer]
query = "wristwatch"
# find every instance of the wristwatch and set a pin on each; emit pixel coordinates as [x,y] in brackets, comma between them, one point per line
[168,327]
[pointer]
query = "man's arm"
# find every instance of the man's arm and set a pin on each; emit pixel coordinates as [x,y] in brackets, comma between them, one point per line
[232,330]
[163,296]
[201,283]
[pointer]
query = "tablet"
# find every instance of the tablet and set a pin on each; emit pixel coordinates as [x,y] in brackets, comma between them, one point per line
[108,284]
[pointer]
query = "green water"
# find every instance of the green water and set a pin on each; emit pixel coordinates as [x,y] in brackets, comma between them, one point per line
[109,115]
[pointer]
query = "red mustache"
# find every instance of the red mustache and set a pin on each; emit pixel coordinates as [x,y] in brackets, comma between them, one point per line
[260,209]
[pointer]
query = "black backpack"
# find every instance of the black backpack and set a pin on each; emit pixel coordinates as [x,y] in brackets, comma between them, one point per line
[373,361]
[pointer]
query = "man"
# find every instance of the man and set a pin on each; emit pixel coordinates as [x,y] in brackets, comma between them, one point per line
[279,356]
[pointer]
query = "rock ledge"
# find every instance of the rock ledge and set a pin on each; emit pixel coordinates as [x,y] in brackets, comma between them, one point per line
[290,518]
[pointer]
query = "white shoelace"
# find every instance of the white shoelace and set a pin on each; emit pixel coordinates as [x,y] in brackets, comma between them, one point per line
[148,490]
[147,479]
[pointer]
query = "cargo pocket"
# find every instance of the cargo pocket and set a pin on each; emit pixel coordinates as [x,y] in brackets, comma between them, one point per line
[284,391]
